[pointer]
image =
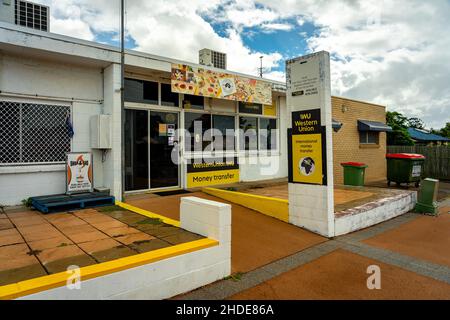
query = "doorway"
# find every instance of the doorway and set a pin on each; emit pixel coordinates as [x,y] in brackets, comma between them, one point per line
[150,137]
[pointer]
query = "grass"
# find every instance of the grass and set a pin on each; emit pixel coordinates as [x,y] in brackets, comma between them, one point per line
[235,277]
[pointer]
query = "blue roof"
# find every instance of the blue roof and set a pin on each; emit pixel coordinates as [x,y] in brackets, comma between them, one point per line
[425,136]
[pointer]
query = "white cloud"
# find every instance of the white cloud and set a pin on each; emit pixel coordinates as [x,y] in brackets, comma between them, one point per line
[390,52]
[272,27]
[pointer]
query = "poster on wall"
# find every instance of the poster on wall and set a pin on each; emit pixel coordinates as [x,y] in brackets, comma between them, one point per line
[306,148]
[79,172]
[212,171]
[203,82]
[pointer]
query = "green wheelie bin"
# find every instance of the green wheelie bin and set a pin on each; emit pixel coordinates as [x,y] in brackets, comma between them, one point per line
[404,168]
[354,173]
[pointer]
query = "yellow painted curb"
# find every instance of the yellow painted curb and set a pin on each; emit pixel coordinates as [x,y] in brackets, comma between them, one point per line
[273,207]
[148,213]
[27,287]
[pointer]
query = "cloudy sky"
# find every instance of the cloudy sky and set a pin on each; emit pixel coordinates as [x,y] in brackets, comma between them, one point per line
[392,52]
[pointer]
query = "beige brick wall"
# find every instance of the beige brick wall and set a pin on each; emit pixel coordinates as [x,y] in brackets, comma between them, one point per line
[346,146]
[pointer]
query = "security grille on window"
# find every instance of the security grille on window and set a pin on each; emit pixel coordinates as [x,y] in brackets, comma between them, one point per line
[33,133]
[31,15]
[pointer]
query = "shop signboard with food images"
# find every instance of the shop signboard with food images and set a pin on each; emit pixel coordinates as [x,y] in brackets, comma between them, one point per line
[79,175]
[208,83]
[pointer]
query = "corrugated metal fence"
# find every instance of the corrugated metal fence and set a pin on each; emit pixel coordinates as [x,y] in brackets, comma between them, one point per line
[437,164]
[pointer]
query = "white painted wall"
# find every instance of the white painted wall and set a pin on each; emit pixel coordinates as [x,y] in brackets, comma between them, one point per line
[51,83]
[169,277]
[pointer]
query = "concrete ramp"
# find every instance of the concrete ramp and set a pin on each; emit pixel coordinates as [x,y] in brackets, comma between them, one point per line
[272,207]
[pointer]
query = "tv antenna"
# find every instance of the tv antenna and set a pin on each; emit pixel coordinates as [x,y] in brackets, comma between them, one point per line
[260,69]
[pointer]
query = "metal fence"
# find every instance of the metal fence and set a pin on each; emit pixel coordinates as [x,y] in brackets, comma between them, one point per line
[437,163]
[33,133]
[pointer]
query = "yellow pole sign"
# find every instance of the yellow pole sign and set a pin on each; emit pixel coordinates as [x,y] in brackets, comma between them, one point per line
[306,148]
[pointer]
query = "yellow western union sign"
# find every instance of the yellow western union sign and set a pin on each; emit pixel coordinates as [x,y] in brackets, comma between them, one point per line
[306,148]
[208,172]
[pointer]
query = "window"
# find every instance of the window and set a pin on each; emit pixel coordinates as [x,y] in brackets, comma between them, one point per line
[141,91]
[267,134]
[33,133]
[224,124]
[369,137]
[249,133]
[193,102]
[197,124]
[169,98]
[251,108]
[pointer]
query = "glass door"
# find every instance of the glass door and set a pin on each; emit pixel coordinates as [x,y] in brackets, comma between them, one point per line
[136,150]
[150,137]
[164,172]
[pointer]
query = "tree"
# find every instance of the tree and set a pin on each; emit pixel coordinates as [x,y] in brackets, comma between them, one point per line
[399,136]
[444,132]
[416,123]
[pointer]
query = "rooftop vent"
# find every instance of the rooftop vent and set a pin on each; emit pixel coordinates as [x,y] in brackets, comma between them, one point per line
[31,15]
[213,58]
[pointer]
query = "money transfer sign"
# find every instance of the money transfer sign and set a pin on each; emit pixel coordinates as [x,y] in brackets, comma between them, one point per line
[212,171]
[79,176]
[208,83]
[306,147]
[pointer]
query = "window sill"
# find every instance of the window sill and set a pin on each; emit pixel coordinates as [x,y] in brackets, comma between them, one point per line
[369,146]
[32,168]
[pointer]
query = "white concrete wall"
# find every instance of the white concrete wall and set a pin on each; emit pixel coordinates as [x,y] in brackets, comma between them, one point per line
[50,83]
[312,206]
[387,209]
[169,277]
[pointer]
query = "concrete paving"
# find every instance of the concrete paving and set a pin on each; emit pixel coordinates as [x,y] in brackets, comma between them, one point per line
[337,269]
[256,239]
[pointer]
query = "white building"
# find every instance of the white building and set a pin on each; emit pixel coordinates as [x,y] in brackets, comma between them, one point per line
[46,77]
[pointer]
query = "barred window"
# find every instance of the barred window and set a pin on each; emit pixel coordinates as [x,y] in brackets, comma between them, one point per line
[33,133]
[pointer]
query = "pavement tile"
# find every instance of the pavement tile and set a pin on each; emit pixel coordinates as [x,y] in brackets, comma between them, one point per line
[112,254]
[21,274]
[87,236]
[120,231]
[22,214]
[105,225]
[85,213]
[39,232]
[99,245]
[159,231]
[61,265]
[56,242]
[5,224]
[119,214]
[131,238]
[28,221]
[99,218]
[52,254]
[57,216]
[16,256]
[10,236]
[182,237]
[84,228]
[150,245]
[71,221]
